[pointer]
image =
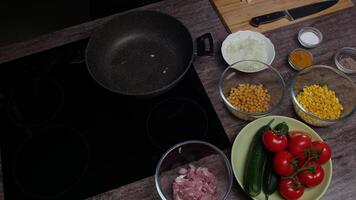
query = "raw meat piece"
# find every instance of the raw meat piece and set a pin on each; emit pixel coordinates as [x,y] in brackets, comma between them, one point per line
[195,184]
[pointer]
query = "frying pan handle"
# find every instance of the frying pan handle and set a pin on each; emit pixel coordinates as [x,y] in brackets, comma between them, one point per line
[202,50]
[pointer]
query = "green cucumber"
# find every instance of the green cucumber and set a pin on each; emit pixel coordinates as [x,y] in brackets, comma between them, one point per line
[254,163]
[270,178]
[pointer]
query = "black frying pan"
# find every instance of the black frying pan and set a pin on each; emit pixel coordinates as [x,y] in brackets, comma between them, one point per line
[141,53]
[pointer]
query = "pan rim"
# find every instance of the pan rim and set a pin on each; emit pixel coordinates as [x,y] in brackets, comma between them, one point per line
[95,36]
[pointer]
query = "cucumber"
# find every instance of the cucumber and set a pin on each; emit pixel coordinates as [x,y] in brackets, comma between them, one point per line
[270,178]
[254,163]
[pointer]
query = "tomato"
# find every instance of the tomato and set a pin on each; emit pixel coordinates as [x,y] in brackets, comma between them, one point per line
[312,176]
[284,164]
[274,142]
[321,151]
[298,144]
[292,134]
[301,161]
[290,189]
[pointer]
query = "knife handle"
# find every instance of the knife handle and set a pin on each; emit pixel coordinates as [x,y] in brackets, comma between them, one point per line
[263,19]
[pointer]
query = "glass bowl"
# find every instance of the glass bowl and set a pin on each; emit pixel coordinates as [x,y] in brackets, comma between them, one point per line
[335,80]
[309,30]
[295,66]
[345,60]
[269,77]
[199,154]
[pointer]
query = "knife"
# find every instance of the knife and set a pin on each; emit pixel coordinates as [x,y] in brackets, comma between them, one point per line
[292,14]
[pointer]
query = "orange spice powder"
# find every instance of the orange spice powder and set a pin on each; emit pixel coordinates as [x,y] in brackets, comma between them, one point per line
[301,59]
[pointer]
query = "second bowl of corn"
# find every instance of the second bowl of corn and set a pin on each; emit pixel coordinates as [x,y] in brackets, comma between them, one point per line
[322,95]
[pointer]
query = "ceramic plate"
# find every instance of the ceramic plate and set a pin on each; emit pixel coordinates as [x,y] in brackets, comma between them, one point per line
[230,51]
[242,143]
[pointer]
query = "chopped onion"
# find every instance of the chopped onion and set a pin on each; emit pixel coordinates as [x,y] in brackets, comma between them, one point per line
[247,49]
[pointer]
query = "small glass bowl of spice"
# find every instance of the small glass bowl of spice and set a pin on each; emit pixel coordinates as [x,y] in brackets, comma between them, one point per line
[345,60]
[300,59]
[310,37]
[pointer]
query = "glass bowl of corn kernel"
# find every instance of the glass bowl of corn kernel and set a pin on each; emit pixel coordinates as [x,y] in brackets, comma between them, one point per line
[322,95]
[251,95]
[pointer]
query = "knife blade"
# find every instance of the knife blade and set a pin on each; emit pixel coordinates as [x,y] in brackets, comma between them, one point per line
[293,14]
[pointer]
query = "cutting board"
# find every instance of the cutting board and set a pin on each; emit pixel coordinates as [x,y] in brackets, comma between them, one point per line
[236,14]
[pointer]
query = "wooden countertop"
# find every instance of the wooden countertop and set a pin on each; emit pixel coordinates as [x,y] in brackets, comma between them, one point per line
[237,14]
[199,16]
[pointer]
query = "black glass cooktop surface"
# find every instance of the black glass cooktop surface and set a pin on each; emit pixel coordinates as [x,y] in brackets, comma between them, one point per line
[22,20]
[63,136]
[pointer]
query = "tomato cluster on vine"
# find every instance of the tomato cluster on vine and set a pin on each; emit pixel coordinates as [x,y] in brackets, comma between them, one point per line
[297,159]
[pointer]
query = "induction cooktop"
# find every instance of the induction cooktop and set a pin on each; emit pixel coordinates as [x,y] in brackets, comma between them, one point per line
[63,136]
[23,20]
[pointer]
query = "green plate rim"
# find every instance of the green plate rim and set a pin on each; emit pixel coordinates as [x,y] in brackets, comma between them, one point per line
[279,117]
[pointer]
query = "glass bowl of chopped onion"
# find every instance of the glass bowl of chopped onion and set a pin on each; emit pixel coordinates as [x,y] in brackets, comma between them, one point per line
[193,170]
[251,95]
[322,95]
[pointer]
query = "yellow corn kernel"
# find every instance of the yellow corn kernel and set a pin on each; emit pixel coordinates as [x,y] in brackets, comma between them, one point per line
[249,98]
[320,101]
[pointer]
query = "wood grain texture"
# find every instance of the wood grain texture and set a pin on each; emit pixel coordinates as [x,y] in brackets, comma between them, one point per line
[199,16]
[236,14]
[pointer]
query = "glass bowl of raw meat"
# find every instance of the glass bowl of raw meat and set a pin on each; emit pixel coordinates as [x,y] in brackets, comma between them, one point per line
[193,170]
